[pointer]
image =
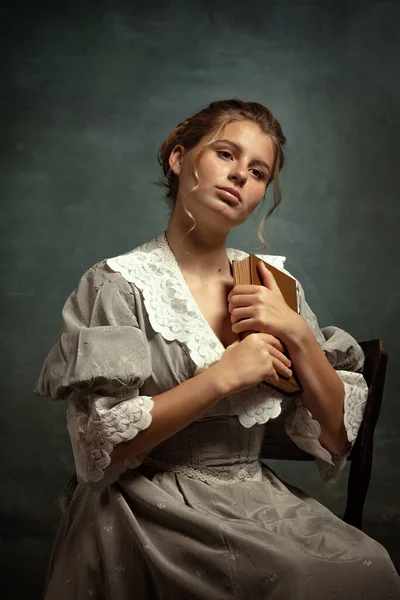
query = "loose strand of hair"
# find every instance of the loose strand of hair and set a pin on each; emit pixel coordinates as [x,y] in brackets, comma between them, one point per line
[197,178]
[277,196]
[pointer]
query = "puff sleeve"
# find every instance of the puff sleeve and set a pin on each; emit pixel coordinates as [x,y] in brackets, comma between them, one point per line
[98,364]
[347,358]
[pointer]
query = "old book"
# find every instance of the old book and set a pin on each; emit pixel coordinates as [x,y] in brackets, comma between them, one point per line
[245,272]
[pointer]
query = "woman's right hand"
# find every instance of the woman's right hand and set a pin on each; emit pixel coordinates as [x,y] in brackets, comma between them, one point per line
[258,357]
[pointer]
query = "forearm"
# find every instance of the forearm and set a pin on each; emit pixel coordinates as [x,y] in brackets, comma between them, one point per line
[323,393]
[175,409]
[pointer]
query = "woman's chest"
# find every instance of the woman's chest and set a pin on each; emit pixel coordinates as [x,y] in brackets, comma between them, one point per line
[213,304]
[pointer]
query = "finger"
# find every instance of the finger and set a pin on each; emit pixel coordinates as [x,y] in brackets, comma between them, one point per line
[281,368]
[268,338]
[266,276]
[242,300]
[278,355]
[275,342]
[244,325]
[240,289]
[241,313]
[273,378]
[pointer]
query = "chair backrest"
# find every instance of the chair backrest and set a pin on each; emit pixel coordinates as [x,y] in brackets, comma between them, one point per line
[280,447]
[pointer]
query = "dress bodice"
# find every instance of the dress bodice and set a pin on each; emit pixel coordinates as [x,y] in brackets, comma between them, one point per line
[216,448]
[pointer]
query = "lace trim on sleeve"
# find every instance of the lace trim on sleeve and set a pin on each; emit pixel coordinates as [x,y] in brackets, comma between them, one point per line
[96,425]
[355,399]
[342,350]
[305,431]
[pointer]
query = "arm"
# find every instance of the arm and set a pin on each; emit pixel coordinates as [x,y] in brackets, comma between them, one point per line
[100,363]
[238,369]
[346,358]
[175,409]
[323,393]
[328,362]
[264,309]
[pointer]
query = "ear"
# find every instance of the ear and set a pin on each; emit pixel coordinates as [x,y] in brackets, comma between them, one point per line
[175,159]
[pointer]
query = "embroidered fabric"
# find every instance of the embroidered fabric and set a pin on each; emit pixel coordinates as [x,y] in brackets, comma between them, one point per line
[356,392]
[256,405]
[251,472]
[305,431]
[95,431]
[152,268]
[174,314]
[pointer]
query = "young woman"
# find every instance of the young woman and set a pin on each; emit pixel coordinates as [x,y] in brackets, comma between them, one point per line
[167,409]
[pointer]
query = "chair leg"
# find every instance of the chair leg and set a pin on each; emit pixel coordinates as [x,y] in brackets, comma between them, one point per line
[361,464]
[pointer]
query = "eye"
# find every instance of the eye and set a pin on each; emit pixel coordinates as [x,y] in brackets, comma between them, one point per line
[224,152]
[260,174]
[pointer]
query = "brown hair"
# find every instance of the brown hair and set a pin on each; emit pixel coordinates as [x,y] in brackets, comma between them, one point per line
[211,119]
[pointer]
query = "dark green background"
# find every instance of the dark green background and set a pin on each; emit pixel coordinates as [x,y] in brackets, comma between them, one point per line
[88,92]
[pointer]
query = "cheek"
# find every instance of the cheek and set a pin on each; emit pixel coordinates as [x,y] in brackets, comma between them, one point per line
[256,200]
[210,167]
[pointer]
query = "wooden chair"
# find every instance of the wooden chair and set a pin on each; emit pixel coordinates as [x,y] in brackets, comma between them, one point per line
[281,447]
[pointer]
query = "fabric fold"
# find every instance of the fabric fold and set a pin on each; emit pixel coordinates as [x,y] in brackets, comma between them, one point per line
[96,425]
[98,363]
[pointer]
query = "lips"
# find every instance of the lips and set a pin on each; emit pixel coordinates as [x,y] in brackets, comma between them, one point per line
[229,194]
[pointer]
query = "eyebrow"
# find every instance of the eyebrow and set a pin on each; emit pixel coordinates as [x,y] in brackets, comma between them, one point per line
[239,148]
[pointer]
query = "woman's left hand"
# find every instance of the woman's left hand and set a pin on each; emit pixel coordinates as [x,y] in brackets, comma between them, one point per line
[262,308]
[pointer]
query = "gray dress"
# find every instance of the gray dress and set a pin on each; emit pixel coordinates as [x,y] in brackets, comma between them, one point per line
[199,516]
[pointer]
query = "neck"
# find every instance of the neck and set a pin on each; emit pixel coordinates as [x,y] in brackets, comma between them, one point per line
[200,255]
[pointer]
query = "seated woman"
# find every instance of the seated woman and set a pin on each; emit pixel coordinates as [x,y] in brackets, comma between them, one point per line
[167,409]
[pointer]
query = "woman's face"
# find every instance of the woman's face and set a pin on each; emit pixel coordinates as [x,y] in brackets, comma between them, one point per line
[241,160]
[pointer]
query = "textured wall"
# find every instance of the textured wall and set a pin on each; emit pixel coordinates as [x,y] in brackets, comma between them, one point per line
[88,92]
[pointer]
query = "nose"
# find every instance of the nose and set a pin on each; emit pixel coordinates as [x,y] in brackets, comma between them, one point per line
[239,175]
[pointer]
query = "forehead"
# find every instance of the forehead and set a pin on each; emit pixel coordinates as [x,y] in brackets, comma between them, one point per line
[250,136]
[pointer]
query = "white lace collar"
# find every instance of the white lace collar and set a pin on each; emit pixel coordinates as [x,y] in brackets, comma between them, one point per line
[174,313]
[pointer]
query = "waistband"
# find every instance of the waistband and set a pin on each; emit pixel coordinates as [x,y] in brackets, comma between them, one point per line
[228,474]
